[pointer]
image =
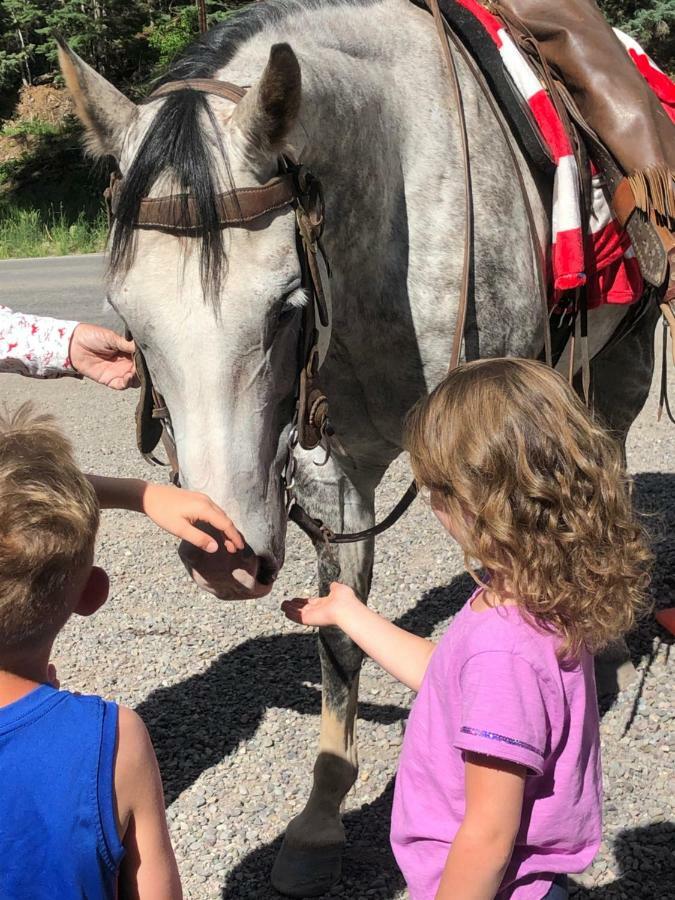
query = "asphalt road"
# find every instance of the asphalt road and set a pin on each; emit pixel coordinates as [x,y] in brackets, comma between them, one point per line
[67,287]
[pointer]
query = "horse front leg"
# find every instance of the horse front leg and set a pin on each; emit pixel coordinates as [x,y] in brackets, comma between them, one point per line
[310,859]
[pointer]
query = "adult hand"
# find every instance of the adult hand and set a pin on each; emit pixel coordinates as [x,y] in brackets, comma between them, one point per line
[322,611]
[104,356]
[176,511]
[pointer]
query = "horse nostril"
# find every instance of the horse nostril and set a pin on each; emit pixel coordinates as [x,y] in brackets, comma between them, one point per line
[267,570]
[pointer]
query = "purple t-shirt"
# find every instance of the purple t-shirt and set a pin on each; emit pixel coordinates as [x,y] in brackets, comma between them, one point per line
[495,686]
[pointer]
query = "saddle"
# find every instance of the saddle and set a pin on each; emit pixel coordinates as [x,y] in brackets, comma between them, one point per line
[494,38]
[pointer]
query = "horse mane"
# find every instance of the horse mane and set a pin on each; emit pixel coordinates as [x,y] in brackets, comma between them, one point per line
[175,141]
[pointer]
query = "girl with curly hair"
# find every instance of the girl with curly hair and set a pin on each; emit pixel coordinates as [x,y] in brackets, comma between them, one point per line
[499,791]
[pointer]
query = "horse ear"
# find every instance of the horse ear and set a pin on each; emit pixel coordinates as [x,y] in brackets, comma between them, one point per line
[271,106]
[105,113]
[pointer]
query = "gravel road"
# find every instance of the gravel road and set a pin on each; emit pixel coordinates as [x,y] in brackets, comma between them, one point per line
[231,693]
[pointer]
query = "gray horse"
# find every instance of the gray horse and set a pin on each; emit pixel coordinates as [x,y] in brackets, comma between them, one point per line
[359,93]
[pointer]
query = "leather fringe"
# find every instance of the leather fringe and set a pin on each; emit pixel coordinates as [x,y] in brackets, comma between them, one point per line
[654,192]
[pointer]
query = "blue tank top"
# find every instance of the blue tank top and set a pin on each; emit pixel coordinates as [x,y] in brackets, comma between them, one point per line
[58,834]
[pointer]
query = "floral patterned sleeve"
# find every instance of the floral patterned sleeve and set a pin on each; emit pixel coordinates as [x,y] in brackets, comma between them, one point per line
[35,345]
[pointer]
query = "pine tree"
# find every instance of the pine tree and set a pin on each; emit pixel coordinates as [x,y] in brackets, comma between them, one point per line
[20,23]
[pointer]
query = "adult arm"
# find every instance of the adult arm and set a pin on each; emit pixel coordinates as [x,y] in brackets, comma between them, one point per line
[175,510]
[404,655]
[482,848]
[149,870]
[37,346]
[43,347]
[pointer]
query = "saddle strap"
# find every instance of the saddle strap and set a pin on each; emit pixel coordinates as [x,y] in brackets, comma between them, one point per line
[468,194]
[512,146]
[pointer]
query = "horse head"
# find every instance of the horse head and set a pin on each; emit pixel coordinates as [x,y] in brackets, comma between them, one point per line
[216,312]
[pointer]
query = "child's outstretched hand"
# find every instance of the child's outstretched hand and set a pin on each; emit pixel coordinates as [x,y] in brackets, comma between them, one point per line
[321,611]
[176,511]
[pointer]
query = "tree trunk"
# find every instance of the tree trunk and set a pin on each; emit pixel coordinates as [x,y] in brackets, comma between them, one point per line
[26,75]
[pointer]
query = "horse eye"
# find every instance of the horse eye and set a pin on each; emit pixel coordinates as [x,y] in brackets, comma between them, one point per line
[288,308]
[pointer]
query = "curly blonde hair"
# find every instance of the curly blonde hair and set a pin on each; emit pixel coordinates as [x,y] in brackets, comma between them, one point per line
[508,448]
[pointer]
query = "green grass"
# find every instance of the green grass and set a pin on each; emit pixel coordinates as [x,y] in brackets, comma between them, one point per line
[29,126]
[50,197]
[27,232]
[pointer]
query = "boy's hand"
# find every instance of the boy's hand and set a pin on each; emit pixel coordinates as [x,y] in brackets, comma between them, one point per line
[321,611]
[176,511]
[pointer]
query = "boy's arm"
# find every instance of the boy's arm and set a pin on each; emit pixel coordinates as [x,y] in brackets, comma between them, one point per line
[482,848]
[149,870]
[173,509]
[404,655]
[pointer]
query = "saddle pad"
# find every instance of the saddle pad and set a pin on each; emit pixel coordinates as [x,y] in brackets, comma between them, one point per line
[604,263]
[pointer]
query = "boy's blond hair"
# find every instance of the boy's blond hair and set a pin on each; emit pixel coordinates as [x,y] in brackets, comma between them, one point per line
[48,522]
[510,450]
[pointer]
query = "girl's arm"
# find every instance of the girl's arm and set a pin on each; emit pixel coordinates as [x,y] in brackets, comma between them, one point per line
[171,508]
[482,848]
[403,655]
[149,870]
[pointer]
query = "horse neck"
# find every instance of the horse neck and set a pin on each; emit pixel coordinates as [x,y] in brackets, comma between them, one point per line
[350,146]
[346,132]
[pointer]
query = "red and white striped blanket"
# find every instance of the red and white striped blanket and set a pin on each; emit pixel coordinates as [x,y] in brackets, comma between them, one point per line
[605,262]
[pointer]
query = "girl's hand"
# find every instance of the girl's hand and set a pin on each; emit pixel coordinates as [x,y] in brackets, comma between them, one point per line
[176,511]
[321,611]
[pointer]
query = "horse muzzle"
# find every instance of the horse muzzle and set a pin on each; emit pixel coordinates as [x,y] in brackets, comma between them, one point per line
[244,575]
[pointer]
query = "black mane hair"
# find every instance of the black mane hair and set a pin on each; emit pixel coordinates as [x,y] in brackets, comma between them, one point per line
[175,141]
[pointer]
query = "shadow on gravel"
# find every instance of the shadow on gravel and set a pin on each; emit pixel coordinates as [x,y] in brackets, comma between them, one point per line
[369,868]
[655,499]
[645,862]
[198,722]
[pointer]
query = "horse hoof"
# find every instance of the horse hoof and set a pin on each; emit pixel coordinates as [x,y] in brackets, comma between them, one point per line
[308,872]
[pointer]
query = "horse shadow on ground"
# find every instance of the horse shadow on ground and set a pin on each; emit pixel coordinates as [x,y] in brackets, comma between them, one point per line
[646,866]
[216,710]
[198,722]
[644,862]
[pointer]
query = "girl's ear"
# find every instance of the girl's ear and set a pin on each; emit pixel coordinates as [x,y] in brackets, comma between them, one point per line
[94,593]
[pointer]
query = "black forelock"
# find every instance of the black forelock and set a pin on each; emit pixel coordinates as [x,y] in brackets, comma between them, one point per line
[175,140]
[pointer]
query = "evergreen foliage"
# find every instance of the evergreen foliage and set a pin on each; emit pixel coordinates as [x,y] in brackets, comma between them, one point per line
[128,41]
[131,40]
[650,22]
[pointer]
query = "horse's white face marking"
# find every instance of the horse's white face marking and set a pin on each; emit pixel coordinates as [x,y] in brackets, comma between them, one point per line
[226,370]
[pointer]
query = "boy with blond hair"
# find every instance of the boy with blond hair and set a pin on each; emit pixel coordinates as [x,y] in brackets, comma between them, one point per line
[81,801]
